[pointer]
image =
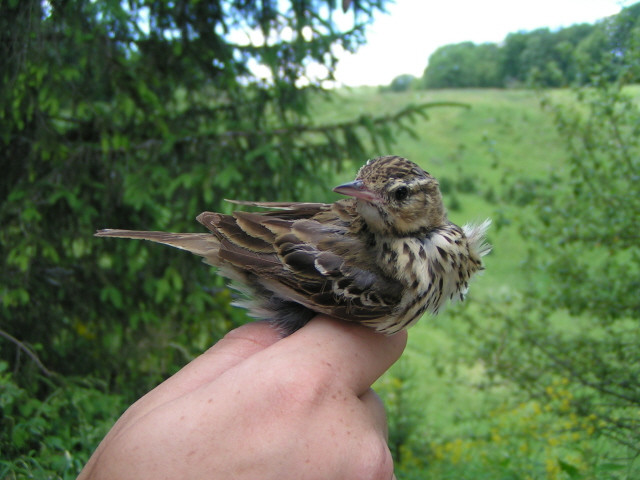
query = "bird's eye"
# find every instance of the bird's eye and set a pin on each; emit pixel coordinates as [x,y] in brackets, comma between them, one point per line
[401,193]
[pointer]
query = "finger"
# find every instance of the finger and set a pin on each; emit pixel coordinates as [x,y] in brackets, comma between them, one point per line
[235,347]
[356,355]
[377,419]
[375,408]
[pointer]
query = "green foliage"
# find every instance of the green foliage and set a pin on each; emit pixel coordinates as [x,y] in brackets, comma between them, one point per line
[578,320]
[464,65]
[593,212]
[612,48]
[398,391]
[541,57]
[401,83]
[544,56]
[51,437]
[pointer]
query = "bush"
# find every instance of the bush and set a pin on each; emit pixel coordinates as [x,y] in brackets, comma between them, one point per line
[52,437]
[402,83]
[578,321]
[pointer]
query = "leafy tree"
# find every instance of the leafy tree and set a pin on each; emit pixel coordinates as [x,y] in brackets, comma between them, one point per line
[537,58]
[611,46]
[541,57]
[574,334]
[567,41]
[512,67]
[402,83]
[464,65]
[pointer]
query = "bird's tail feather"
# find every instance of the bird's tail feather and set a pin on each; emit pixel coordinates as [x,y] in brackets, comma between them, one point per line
[476,235]
[203,244]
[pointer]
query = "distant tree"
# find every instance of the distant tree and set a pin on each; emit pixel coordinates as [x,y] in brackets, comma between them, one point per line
[567,41]
[541,57]
[611,44]
[488,65]
[537,58]
[549,57]
[402,83]
[463,65]
[512,65]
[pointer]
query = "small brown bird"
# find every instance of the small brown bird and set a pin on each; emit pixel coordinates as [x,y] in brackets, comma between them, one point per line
[380,258]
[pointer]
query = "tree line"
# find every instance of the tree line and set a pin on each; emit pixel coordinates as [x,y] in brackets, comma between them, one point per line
[542,57]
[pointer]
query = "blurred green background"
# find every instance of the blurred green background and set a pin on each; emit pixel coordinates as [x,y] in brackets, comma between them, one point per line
[143,114]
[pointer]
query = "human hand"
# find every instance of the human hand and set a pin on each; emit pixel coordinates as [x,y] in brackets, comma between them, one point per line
[255,406]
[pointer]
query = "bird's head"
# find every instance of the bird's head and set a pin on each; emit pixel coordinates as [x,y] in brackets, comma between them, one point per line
[396,197]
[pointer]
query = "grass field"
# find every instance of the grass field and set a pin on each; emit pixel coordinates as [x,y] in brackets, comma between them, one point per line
[466,427]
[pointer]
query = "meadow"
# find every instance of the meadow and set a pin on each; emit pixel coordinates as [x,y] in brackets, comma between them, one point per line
[449,417]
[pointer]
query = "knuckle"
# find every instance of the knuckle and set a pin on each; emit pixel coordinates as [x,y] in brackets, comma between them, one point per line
[374,461]
[303,384]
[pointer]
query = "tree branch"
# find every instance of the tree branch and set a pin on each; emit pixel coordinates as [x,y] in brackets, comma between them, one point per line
[30,353]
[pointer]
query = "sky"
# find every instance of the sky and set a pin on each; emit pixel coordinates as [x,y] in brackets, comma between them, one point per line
[401,41]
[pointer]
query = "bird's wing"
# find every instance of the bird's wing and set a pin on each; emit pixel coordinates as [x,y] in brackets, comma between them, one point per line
[286,209]
[318,264]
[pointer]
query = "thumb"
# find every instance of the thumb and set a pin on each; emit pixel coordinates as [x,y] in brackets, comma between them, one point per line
[359,355]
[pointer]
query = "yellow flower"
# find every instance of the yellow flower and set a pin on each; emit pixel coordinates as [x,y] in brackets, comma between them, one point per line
[84,331]
[456,451]
[438,452]
[552,468]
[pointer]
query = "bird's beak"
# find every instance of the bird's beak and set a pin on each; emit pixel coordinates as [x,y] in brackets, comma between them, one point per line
[356,189]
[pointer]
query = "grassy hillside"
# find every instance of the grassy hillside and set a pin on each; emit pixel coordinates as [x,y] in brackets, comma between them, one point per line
[465,425]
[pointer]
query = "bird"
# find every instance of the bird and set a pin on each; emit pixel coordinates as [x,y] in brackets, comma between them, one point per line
[381,257]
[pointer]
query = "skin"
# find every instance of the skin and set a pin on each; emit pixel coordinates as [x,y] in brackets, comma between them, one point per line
[255,406]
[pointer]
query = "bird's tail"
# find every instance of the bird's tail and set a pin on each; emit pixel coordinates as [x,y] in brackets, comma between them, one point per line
[203,244]
[476,236]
